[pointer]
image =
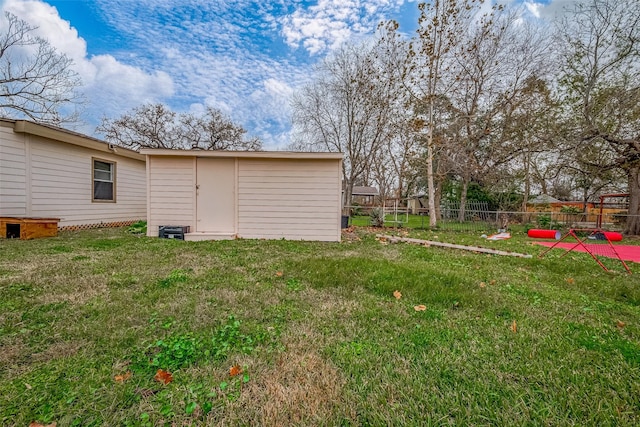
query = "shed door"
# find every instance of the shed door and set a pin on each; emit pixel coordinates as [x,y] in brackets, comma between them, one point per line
[216,186]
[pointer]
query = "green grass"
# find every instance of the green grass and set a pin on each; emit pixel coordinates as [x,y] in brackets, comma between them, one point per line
[422,222]
[316,331]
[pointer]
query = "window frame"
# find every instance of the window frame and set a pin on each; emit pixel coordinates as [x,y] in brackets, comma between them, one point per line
[93,180]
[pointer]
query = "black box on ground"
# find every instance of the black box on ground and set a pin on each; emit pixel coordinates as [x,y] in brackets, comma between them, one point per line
[173,231]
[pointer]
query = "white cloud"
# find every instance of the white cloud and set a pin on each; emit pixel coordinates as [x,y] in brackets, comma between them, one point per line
[57,31]
[119,81]
[277,88]
[533,8]
[548,10]
[559,7]
[216,60]
[110,86]
[193,53]
[330,23]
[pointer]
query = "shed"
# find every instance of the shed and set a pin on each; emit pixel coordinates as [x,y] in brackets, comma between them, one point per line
[49,173]
[543,199]
[418,204]
[245,194]
[364,195]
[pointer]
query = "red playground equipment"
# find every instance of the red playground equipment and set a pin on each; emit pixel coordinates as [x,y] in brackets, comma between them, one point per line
[595,242]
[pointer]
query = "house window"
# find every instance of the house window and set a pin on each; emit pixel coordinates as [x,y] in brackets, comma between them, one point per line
[104,188]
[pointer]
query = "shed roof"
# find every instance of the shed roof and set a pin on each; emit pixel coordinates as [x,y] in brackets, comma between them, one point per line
[543,199]
[296,155]
[362,190]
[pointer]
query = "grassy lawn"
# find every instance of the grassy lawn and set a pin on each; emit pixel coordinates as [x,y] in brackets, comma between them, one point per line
[88,319]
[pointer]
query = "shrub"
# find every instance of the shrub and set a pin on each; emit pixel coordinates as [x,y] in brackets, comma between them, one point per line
[376,217]
[139,227]
[571,210]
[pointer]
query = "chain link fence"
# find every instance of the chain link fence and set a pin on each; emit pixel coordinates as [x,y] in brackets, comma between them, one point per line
[487,221]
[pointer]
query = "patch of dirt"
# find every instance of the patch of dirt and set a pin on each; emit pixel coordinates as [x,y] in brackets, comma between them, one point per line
[328,304]
[349,234]
[11,353]
[301,388]
[85,290]
[59,350]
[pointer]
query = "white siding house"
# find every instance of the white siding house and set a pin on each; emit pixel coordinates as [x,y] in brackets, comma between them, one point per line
[48,172]
[229,194]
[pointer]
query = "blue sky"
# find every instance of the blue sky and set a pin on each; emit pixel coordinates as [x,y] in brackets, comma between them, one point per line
[244,57]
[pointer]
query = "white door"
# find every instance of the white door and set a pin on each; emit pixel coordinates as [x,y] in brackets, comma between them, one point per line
[215,190]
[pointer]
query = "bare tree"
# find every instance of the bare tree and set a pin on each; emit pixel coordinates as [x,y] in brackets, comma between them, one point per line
[601,82]
[392,167]
[147,126]
[36,81]
[529,128]
[156,126]
[215,131]
[502,59]
[345,109]
[442,24]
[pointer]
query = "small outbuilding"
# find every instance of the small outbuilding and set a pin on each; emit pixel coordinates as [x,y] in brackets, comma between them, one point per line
[215,195]
[364,195]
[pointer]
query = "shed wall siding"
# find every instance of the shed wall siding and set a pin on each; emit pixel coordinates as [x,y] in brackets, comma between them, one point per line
[13,179]
[291,199]
[171,192]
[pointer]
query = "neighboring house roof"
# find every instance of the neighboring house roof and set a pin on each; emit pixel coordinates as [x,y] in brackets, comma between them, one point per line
[69,137]
[543,199]
[359,190]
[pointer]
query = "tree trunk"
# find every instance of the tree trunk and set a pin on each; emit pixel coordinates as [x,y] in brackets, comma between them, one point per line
[400,190]
[439,198]
[430,181]
[431,187]
[347,195]
[463,199]
[632,226]
[543,185]
[527,181]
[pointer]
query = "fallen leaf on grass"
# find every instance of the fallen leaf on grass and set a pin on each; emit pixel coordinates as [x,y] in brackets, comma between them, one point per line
[235,370]
[483,285]
[420,307]
[163,376]
[620,324]
[570,281]
[279,273]
[122,378]
[397,294]
[514,327]
[493,282]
